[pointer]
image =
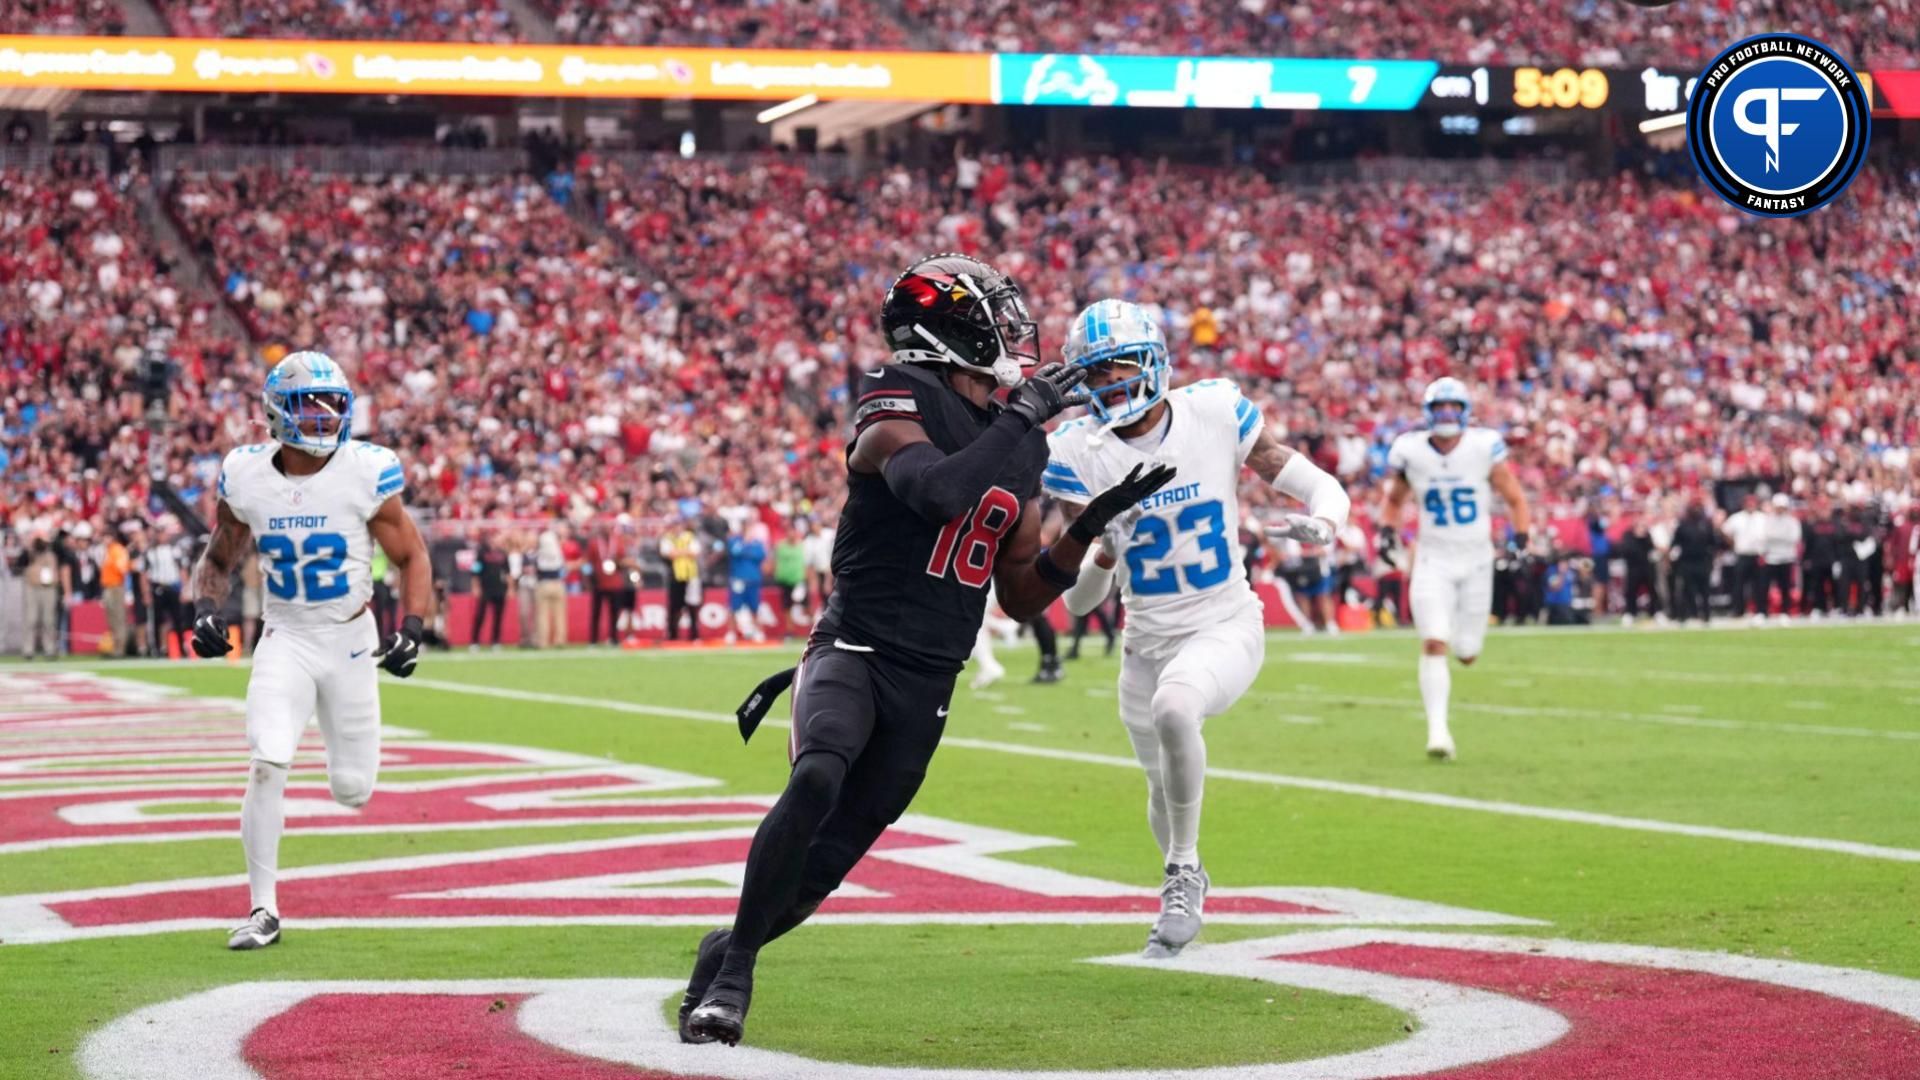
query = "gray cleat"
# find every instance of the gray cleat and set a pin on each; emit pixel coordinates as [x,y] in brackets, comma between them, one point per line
[261,929]
[1182,897]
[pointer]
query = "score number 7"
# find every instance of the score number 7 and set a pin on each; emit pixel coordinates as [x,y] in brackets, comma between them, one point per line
[1363,77]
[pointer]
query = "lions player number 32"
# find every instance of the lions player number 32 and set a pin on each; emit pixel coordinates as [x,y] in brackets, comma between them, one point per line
[1153,539]
[314,567]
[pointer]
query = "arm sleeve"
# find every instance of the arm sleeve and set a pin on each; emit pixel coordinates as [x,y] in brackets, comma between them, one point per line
[939,486]
[932,483]
[1092,587]
[1312,485]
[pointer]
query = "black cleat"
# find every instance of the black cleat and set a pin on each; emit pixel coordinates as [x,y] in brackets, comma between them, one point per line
[1049,673]
[713,950]
[722,1017]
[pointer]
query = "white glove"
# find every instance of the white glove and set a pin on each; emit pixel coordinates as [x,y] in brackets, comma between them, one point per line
[1307,530]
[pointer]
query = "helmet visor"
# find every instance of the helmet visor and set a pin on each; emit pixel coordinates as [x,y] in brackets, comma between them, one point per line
[320,416]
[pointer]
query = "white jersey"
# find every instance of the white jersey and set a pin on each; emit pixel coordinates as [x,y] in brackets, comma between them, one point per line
[1451,491]
[1183,569]
[311,531]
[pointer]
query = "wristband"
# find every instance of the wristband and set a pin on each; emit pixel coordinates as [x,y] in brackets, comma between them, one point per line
[412,627]
[1052,573]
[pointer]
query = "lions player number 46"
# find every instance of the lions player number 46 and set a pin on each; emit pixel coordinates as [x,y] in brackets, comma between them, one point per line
[1460,500]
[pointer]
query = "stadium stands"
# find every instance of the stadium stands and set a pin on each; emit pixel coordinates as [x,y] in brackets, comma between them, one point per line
[84,297]
[481,21]
[1598,33]
[62,17]
[823,24]
[1636,342]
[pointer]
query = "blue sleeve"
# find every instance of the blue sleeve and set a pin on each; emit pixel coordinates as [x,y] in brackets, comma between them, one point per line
[392,479]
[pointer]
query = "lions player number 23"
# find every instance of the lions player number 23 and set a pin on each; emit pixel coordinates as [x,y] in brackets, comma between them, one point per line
[1152,540]
[315,565]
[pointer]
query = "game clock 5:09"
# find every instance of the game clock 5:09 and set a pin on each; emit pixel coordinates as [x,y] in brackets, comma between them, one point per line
[1562,88]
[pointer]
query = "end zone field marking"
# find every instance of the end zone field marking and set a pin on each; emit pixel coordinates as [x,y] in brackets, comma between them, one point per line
[1335,787]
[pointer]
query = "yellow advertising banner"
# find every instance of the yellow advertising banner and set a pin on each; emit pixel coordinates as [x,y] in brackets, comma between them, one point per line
[208,65]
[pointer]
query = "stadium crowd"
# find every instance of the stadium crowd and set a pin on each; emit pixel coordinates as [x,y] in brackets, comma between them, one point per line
[1596,32]
[738,24]
[477,21]
[518,341]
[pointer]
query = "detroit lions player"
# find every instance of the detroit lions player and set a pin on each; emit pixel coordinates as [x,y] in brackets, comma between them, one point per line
[1195,637]
[309,503]
[1448,469]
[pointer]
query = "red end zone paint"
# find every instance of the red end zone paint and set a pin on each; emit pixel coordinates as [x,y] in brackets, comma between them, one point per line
[1632,1023]
[398,755]
[375,893]
[32,818]
[407,1036]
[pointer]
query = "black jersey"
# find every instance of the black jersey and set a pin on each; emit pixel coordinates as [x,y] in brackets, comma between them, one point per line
[910,589]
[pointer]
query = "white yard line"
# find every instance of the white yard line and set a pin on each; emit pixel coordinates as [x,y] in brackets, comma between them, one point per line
[1305,783]
[1565,712]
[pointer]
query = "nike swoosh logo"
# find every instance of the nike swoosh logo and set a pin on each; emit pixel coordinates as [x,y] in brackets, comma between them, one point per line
[356,655]
[941,712]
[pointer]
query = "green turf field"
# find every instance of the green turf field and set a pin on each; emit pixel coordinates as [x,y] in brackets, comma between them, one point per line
[1749,791]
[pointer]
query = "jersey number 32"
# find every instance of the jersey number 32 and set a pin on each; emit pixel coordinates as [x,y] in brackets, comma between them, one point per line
[313,568]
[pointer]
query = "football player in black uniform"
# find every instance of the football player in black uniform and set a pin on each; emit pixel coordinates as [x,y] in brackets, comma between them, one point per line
[943,498]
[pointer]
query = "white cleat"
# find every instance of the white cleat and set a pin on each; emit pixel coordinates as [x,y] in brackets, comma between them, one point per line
[987,676]
[261,929]
[1441,748]
[1183,896]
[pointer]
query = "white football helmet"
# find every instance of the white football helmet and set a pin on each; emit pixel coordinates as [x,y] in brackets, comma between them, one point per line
[309,403]
[1447,390]
[1118,332]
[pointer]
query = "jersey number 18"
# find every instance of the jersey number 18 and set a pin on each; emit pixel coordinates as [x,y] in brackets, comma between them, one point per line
[970,542]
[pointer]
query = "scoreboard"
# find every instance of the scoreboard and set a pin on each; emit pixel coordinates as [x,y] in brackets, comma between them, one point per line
[1639,94]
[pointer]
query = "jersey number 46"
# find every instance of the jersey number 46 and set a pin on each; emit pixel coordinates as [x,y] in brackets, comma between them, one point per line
[1460,499]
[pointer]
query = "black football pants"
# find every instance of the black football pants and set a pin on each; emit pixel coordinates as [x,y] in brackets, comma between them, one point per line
[864,730]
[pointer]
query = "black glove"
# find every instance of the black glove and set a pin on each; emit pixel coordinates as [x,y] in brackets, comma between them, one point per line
[209,631]
[402,648]
[1047,393]
[1517,543]
[1116,500]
